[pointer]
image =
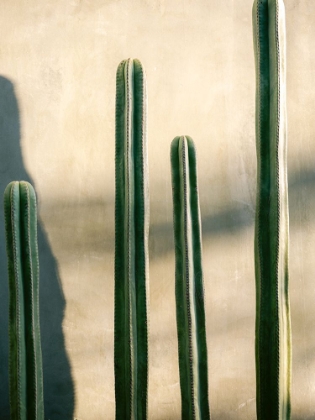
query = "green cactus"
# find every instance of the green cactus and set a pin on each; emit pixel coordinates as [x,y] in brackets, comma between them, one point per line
[131,244]
[25,367]
[273,330]
[190,312]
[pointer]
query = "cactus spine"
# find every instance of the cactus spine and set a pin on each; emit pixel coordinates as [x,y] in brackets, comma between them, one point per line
[25,369]
[273,330]
[131,244]
[190,312]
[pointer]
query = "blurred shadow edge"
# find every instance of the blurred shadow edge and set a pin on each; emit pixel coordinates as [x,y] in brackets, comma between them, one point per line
[58,384]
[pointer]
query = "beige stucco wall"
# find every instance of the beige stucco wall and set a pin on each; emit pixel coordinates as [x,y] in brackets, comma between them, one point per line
[58,60]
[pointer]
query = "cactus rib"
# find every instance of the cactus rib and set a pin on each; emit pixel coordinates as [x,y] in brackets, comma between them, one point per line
[190,312]
[273,329]
[25,370]
[131,244]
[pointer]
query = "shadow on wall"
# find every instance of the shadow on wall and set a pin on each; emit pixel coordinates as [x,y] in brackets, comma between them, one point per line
[58,384]
[228,221]
[238,216]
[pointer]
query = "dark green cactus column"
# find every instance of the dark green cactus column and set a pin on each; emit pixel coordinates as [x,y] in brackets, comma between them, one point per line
[25,370]
[190,312]
[273,331]
[131,244]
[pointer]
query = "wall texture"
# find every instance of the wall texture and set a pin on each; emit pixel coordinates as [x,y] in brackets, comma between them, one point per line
[58,61]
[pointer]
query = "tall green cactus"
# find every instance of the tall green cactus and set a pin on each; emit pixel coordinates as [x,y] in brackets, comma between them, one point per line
[190,312]
[131,244]
[273,330]
[25,369]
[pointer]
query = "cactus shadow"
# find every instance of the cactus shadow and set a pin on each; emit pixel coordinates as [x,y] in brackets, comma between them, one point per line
[228,221]
[58,384]
[239,216]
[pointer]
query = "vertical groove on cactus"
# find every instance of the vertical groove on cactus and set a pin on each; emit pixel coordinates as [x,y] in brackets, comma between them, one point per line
[131,244]
[190,312]
[273,329]
[25,370]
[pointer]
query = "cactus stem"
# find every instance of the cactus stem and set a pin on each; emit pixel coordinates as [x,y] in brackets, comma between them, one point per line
[192,347]
[25,370]
[273,329]
[131,244]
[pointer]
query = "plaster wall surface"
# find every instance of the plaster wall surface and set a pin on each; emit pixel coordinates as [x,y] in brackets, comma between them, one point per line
[58,61]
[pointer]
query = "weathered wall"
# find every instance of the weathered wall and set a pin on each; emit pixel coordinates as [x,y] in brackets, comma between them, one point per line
[58,60]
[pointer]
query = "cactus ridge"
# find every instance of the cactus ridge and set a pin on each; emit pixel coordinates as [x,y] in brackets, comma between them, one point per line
[273,330]
[131,244]
[190,312]
[25,360]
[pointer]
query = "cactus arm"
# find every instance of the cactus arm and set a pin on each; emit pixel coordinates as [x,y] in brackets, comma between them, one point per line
[273,330]
[31,276]
[26,381]
[131,244]
[190,313]
[17,351]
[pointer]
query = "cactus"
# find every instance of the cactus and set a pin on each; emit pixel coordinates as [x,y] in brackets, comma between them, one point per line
[273,330]
[25,359]
[190,312]
[131,244]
